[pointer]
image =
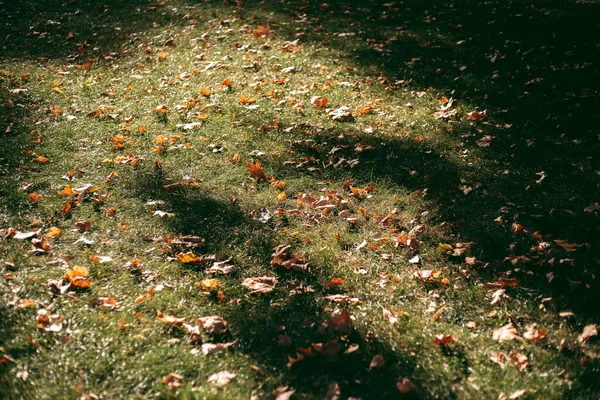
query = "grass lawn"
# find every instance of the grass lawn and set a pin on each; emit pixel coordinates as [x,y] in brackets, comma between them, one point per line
[415,183]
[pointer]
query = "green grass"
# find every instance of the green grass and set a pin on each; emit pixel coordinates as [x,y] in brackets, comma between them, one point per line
[108,65]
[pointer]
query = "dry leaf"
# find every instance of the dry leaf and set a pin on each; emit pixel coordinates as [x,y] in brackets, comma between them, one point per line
[588,332]
[340,322]
[169,319]
[444,339]
[213,325]
[54,232]
[173,380]
[79,277]
[221,378]
[377,362]
[506,332]
[263,284]
[101,259]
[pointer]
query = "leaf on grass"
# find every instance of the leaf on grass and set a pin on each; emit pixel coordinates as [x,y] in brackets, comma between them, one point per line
[341,114]
[169,319]
[34,197]
[221,378]
[377,362]
[340,322]
[535,335]
[213,325]
[319,101]
[40,246]
[506,332]
[211,348]
[519,360]
[54,232]
[442,339]
[334,282]
[49,323]
[79,277]
[588,332]
[173,380]
[101,259]
[405,386]
[83,226]
[222,267]
[263,284]
[207,285]
[256,171]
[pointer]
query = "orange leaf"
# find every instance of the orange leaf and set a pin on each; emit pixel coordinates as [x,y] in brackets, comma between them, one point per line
[256,171]
[335,282]
[205,92]
[54,232]
[79,277]
[40,160]
[34,197]
[319,101]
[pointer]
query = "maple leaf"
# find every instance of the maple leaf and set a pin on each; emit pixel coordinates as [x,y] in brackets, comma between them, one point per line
[79,277]
[257,172]
[319,101]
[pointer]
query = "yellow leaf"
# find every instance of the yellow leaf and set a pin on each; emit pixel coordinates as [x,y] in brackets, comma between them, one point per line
[54,232]
[281,196]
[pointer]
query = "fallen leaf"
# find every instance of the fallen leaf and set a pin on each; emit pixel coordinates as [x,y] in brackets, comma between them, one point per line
[319,101]
[83,226]
[257,172]
[377,362]
[340,322]
[79,277]
[334,282]
[54,232]
[519,360]
[169,319]
[221,378]
[263,284]
[406,386]
[34,197]
[535,335]
[213,325]
[506,332]
[588,332]
[101,259]
[444,339]
[173,380]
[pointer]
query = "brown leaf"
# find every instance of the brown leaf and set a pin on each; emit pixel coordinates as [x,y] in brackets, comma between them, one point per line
[340,322]
[169,319]
[173,380]
[377,362]
[588,332]
[334,282]
[535,335]
[257,172]
[83,226]
[444,339]
[405,386]
[213,325]
[506,332]
[519,360]
[221,378]
[263,284]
